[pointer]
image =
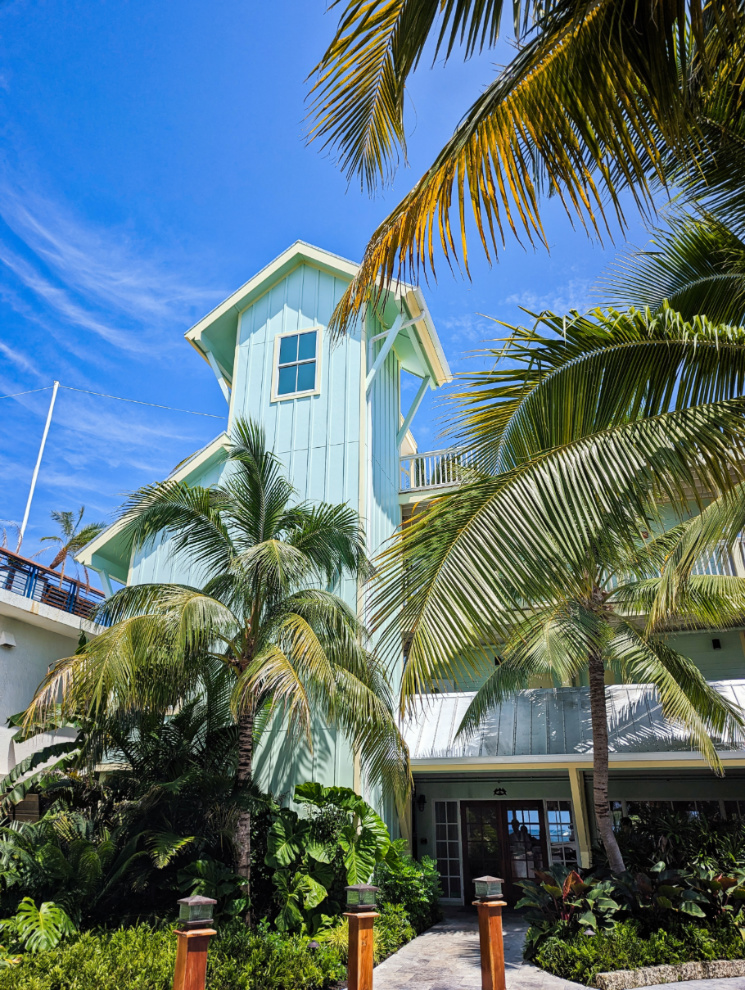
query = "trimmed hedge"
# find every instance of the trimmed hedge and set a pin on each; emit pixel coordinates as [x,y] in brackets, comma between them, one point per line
[581,957]
[142,958]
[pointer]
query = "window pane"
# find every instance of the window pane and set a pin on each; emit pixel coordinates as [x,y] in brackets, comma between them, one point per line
[286,380]
[288,349]
[307,346]
[306,376]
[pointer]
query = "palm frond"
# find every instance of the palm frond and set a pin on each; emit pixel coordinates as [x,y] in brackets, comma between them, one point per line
[477,556]
[590,105]
[696,264]
[686,697]
[358,95]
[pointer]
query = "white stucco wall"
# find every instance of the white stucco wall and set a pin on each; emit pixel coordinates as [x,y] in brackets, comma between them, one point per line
[42,636]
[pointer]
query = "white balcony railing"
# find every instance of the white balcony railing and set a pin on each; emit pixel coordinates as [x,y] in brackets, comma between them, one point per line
[434,469]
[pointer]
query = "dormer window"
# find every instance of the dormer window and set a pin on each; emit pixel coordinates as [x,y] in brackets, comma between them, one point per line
[296,364]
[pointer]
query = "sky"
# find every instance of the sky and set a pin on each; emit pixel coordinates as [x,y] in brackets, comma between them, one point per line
[153,157]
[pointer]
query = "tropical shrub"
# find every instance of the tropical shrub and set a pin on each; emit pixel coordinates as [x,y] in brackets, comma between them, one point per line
[415,885]
[38,929]
[142,958]
[580,956]
[681,840]
[339,842]
[560,901]
[391,930]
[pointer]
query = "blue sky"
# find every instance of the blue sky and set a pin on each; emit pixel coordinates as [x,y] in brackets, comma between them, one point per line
[152,159]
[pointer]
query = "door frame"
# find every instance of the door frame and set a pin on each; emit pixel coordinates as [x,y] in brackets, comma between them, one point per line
[512,892]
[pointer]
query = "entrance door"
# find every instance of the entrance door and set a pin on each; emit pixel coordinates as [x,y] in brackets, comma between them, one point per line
[505,839]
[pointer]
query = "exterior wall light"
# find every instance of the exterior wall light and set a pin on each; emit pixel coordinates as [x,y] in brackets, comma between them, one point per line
[195,912]
[420,802]
[488,888]
[361,897]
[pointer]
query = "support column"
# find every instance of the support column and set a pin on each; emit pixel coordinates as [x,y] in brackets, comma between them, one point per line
[581,820]
[491,942]
[191,959]
[360,965]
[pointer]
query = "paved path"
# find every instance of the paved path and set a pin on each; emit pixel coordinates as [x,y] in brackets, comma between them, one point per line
[447,958]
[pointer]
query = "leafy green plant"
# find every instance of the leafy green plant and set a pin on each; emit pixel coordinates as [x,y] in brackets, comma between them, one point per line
[559,900]
[7,959]
[415,885]
[340,842]
[141,957]
[391,929]
[661,891]
[39,929]
[630,944]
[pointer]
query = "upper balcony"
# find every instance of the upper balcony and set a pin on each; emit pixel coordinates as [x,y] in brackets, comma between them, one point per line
[433,470]
[28,579]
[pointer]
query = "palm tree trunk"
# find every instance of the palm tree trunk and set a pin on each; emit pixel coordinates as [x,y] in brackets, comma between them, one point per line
[599,714]
[243,825]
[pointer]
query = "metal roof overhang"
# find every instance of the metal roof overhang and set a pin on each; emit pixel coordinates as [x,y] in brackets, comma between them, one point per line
[552,728]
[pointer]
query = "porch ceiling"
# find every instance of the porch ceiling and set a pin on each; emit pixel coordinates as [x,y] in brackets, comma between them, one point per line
[553,724]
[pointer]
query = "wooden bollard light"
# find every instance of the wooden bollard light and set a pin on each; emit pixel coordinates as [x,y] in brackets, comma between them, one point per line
[490,904]
[361,913]
[194,933]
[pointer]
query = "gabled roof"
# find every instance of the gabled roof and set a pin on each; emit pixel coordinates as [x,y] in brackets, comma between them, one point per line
[216,332]
[109,551]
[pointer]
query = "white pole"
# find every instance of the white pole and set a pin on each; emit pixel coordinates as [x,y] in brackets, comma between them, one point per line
[36,469]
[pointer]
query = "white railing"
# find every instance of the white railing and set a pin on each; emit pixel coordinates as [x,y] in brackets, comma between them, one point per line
[434,469]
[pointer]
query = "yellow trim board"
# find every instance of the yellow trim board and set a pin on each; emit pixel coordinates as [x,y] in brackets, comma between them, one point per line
[678,761]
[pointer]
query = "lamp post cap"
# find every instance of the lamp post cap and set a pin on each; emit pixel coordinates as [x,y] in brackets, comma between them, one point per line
[488,880]
[196,899]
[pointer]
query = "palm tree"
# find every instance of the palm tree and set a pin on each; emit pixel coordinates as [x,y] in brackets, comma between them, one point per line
[696,263]
[71,539]
[600,97]
[261,565]
[541,555]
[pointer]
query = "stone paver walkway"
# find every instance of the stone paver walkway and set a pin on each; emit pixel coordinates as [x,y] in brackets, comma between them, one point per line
[447,958]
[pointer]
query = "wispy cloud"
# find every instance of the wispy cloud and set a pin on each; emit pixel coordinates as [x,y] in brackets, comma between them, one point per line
[98,280]
[20,360]
[573,294]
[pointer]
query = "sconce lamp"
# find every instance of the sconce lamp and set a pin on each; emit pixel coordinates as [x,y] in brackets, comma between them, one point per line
[420,802]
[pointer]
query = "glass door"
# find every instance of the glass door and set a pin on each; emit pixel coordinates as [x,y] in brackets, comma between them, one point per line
[481,830]
[526,843]
[503,839]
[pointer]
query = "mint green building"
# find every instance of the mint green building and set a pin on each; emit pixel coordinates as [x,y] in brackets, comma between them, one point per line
[515,797]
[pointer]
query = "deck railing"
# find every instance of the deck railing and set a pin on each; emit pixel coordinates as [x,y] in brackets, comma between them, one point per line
[42,584]
[434,469]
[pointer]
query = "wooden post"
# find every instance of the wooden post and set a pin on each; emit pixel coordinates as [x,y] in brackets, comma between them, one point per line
[191,959]
[492,944]
[360,965]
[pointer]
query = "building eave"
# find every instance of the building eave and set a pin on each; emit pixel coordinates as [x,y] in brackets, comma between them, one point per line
[94,554]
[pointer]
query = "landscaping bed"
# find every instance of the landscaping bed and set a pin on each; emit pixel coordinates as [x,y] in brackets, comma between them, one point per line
[670,919]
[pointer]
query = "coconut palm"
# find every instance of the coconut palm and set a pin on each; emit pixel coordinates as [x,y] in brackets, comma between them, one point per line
[600,98]
[695,262]
[541,554]
[260,564]
[71,539]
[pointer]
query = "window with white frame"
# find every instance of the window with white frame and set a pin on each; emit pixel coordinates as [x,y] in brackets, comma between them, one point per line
[296,364]
[447,848]
[562,842]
